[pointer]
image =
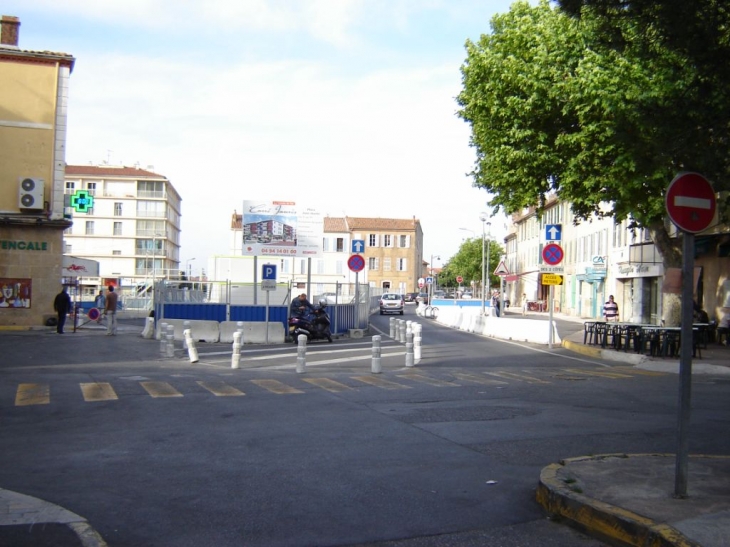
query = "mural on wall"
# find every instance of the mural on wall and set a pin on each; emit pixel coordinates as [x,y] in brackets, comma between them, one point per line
[15,292]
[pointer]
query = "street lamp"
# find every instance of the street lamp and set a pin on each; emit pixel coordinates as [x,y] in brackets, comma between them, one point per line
[188,269]
[430,296]
[485,260]
[473,233]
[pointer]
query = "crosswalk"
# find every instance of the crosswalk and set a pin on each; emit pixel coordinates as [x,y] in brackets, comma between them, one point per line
[34,394]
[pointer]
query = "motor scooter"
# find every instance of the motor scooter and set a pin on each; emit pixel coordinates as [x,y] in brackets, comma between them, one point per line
[315,325]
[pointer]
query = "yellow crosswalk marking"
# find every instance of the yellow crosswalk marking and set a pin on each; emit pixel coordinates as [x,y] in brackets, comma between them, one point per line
[427,380]
[640,371]
[379,382]
[477,379]
[98,391]
[329,385]
[518,377]
[275,386]
[160,389]
[598,373]
[33,394]
[221,389]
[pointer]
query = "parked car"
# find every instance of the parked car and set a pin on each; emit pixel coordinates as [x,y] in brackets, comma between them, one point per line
[411,296]
[391,302]
[439,294]
[422,297]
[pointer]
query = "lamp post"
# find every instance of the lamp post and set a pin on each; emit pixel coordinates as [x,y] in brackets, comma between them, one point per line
[483,217]
[188,269]
[430,264]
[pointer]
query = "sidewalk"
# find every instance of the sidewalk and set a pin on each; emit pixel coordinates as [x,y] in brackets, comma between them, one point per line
[626,499]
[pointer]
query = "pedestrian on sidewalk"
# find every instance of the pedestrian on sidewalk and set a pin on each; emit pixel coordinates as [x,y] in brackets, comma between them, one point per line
[110,310]
[100,304]
[610,310]
[61,305]
[524,303]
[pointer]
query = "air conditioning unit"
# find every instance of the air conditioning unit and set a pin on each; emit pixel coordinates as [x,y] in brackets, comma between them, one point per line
[30,193]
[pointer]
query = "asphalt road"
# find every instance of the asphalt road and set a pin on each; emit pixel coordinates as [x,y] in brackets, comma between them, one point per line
[161,452]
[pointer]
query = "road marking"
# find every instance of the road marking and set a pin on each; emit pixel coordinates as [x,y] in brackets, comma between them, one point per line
[614,375]
[642,372]
[33,394]
[329,385]
[275,386]
[160,389]
[221,389]
[518,377]
[379,382]
[98,391]
[477,379]
[427,380]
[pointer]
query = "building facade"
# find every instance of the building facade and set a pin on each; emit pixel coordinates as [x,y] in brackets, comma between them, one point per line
[33,121]
[392,253]
[132,228]
[603,258]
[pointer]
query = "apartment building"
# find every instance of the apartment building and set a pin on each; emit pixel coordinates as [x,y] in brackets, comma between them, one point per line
[393,255]
[33,119]
[129,224]
[603,258]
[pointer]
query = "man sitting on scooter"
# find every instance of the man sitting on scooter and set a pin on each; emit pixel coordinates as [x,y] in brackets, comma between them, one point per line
[299,306]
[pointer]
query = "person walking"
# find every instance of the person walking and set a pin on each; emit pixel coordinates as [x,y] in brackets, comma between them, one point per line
[524,303]
[62,305]
[100,304]
[610,310]
[110,310]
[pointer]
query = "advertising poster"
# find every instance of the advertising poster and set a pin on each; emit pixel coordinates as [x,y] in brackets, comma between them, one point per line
[281,228]
[15,293]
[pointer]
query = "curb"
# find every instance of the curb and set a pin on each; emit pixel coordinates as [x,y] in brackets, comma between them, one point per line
[606,355]
[602,519]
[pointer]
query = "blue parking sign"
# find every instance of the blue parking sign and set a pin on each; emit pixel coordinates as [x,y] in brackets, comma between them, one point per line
[268,271]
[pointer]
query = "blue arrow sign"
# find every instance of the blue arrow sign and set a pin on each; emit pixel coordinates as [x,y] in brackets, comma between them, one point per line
[553,232]
[358,246]
[268,271]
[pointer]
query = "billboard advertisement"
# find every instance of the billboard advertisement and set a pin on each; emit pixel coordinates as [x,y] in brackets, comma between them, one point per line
[281,228]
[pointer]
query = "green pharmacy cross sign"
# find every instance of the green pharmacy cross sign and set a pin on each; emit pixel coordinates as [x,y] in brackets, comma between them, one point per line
[82,201]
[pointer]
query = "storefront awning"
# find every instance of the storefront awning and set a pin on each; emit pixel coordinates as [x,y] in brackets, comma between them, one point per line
[72,266]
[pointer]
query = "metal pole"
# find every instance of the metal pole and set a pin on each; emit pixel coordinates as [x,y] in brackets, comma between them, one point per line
[484,268]
[685,365]
[550,321]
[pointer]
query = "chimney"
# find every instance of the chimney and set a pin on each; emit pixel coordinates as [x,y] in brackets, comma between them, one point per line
[9,32]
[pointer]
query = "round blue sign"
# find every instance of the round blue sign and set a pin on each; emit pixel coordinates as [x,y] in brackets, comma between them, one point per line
[356,263]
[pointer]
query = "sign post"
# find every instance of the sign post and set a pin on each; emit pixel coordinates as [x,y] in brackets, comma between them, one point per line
[268,284]
[690,203]
[356,263]
[552,255]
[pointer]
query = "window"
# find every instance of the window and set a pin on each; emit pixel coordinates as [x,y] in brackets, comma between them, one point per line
[387,241]
[150,189]
[372,263]
[386,264]
[89,227]
[404,241]
[91,188]
[70,187]
[117,228]
[339,267]
[117,208]
[325,244]
[117,253]
[340,245]
[151,209]
[402,264]
[373,240]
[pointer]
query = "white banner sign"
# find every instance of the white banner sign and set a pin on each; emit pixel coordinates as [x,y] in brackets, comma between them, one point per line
[281,228]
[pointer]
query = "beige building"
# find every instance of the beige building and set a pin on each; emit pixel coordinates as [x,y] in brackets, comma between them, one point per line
[132,230]
[34,95]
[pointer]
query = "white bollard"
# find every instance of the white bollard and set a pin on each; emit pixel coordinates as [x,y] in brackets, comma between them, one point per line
[236,355]
[149,329]
[239,328]
[301,353]
[186,326]
[417,340]
[163,342]
[376,365]
[192,352]
[401,331]
[170,346]
[393,331]
[409,349]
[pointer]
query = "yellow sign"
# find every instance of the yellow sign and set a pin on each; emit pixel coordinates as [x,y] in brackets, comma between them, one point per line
[552,279]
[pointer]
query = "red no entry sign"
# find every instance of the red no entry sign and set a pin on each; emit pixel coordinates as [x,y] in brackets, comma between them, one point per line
[690,202]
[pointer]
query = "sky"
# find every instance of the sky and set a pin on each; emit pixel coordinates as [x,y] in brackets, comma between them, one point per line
[347,106]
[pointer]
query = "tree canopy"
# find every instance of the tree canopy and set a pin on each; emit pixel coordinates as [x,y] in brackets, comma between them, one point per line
[556,106]
[467,262]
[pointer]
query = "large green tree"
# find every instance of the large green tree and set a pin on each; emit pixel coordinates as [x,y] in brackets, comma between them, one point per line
[555,108]
[467,263]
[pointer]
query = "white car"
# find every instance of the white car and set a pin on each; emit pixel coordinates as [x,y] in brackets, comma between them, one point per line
[391,302]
